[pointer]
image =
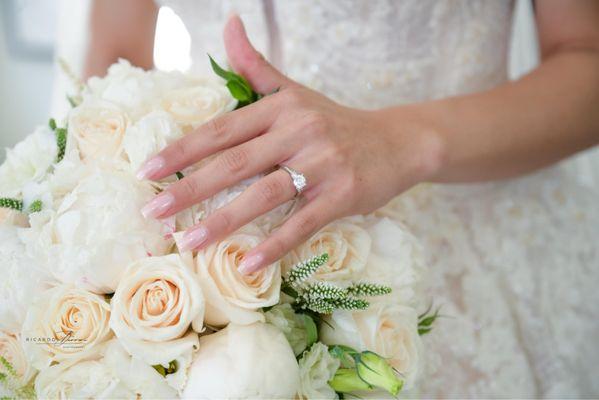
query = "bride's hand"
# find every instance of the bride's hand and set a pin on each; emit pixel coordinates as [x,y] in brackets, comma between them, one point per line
[352,161]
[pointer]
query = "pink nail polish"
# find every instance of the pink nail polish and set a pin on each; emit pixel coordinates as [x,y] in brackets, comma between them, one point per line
[151,166]
[250,264]
[193,238]
[158,206]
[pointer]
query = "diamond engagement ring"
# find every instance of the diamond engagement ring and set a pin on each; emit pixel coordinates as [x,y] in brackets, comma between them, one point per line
[299,180]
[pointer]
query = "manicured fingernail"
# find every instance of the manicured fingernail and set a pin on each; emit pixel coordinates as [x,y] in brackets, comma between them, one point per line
[151,166]
[250,264]
[193,238]
[158,206]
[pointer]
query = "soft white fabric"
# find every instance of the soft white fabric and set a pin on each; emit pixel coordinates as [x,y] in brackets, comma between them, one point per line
[515,263]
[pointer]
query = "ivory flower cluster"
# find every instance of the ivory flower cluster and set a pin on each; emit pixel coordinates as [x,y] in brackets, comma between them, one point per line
[98,301]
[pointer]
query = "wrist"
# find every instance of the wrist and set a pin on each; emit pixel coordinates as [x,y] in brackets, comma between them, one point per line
[416,133]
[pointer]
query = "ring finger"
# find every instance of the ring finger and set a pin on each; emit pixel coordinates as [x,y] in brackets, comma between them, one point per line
[258,199]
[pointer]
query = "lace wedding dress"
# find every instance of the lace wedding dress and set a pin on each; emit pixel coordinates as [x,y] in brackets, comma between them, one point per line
[515,264]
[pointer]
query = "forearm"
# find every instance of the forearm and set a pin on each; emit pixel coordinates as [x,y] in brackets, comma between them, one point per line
[120,29]
[516,128]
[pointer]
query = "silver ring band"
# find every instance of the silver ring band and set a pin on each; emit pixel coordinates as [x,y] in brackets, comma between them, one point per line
[298,179]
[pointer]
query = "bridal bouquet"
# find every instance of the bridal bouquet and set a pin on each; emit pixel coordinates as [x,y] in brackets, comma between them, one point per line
[98,302]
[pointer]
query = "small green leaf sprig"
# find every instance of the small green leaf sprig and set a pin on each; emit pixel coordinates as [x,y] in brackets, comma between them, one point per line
[324,297]
[9,379]
[61,139]
[13,204]
[427,319]
[173,367]
[238,86]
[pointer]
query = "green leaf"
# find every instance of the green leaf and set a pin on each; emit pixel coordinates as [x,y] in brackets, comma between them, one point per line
[52,124]
[311,330]
[36,206]
[179,175]
[238,86]
[173,366]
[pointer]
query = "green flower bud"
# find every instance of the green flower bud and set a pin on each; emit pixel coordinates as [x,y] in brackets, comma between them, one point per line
[347,380]
[375,370]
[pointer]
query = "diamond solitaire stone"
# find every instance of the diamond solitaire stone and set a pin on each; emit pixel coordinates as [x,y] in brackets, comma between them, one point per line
[298,179]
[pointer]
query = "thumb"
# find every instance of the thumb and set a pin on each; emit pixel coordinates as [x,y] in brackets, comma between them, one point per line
[246,61]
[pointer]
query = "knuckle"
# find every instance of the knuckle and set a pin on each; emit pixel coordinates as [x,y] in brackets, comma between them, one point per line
[306,225]
[271,191]
[218,128]
[279,246]
[316,123]
[189,188]
[222,220]
[293,96]
[233,160]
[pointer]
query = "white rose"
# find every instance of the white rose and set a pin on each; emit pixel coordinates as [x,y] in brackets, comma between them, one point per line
[65,323]
[156,301]
[231,296]
[27,162]
[22,279]
[317,368]
[97,131]
[12,351]
[193,106]
[389,330]
[148,136]
[97,231]
[243,362]
[347,244]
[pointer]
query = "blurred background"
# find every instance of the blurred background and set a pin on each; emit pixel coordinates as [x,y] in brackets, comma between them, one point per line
[35,34]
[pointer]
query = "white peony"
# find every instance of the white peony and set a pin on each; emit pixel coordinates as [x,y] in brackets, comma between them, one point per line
[231,296]
[22,279]
[65,323]
[243,362]
[317,368]
[193,106]
[97,231]
[28,161]
[116,375]
[131,88]
[347,244]
[387,329]
[155,303]
[148,136]
[97,130]
[12,351]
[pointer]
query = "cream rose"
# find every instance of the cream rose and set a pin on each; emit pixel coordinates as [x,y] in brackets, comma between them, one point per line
[193,106]
[243,362]
[65,323]
[157,300]
[231,296]
[97,131]
[387,329]
[12,351]
[97,230]
[347,244]
[27,162]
